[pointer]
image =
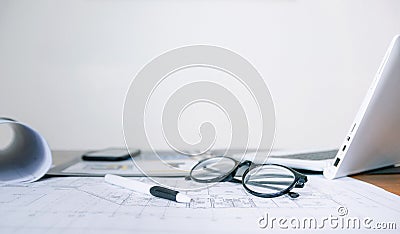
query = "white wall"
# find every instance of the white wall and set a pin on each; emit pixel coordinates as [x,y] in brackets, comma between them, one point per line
[65,65]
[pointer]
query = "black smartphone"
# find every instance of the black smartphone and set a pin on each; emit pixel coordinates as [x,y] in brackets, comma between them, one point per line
[110,154]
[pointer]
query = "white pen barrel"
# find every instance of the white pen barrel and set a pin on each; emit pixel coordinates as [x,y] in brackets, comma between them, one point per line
[127,183]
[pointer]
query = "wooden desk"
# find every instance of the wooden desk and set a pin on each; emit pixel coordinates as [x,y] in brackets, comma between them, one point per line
[389,182]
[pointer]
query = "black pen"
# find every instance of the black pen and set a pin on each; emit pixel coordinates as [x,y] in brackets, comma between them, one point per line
[141,187]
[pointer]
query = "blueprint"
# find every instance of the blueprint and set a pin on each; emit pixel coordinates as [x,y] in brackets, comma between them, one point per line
[27,156]
[89,205]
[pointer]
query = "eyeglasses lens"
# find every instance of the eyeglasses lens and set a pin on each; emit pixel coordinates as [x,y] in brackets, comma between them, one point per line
[269,179]
[213,168]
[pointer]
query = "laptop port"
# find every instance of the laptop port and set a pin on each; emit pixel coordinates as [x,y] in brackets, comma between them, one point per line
[336,162]
[344,147]
[354,126]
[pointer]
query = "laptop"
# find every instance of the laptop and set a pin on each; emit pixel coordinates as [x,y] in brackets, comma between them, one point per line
[373,140]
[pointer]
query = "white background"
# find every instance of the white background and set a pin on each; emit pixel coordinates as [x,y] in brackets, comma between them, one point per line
[65,66]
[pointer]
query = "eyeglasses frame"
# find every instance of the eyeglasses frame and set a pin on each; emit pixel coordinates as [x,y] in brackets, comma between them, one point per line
[298,182]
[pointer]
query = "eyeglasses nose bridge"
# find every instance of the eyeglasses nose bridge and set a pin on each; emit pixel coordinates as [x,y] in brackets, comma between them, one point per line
[245,163]
[232,175]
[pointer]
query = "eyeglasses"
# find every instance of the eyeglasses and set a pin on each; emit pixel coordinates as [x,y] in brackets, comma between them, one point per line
[262,180]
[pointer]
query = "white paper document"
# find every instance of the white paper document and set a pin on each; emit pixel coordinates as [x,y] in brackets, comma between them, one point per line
[27,157]
[89,205]
[180,167]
